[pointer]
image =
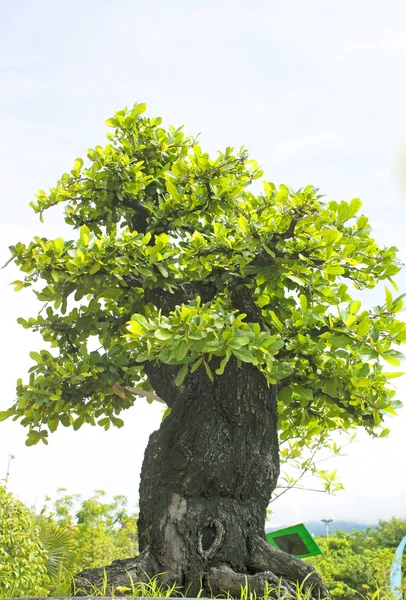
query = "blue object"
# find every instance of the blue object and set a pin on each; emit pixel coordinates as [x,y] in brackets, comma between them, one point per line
[396,571]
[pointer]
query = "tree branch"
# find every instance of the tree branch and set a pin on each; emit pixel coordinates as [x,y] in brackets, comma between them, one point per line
[243,300]
[166,301]
[141,392]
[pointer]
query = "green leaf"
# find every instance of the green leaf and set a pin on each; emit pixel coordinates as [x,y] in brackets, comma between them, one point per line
[166,414]
[77,166]
[355,306]
[285,394]
[77,423]
[23,322]
[342,212]
[163,334]
[33,438]
[181,350]
[223,364]
[65,420]
[330,387]
[272,345]
[171,188]
[111,123]
[354,207]
[299,280]
[361,381]
[339,341]
[196,365]
[243,354]
[280,370]
[377,418]
[138,109]
[164,271]
[302,392]
[350,320]
[243,223]
[303,302]
[94,268]
[394,285]
[331,236]
[135,328]
[391,359]
[238,342]
[276,320]
[363,328]
[208,371]
[5,414]
[181,375]
[394,374]
[334,270]
[18,285]
[138,324]
[53,425]
[138,318]
[388,297]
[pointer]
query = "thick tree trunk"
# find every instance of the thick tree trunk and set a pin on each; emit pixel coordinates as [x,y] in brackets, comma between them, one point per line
[206,481]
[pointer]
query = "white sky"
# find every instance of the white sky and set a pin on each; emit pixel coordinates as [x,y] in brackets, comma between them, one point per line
[316,90]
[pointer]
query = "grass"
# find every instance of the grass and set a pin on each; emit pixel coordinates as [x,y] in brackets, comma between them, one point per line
[153,589]
[65,587]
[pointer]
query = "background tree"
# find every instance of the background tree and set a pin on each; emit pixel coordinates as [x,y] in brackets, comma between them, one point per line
[349,574]
[23,560]
[357,564]
[388,534]
[230,306]
[81,533]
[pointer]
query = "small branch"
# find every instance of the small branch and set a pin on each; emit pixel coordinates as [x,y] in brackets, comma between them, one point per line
[141,392]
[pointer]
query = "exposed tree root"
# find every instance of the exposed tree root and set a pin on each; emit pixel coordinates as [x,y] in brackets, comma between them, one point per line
[265,557]
[223,580]
[269,569]
[119,573]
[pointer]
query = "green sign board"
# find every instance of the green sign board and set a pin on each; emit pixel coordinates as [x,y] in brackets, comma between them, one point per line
[296,540]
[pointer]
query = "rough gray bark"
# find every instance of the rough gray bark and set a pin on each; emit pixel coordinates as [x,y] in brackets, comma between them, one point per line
[206,481]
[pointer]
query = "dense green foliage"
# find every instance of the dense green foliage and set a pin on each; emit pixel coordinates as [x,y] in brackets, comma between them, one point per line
[355,565]
[22,558]
[159,221]
[80,534]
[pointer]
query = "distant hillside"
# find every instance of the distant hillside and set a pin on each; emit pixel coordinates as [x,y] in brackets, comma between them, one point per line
[319,528]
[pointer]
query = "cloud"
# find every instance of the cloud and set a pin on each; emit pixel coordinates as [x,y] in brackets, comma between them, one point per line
[389,40]
[20,88]
[18,62]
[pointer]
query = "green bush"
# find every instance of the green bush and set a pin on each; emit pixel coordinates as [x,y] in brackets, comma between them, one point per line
[355,565]
[80,534]
[22,558]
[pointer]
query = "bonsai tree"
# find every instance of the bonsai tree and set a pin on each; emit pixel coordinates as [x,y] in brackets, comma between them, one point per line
[232,307]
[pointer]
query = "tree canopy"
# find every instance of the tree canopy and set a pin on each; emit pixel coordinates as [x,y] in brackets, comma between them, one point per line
[183,260]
